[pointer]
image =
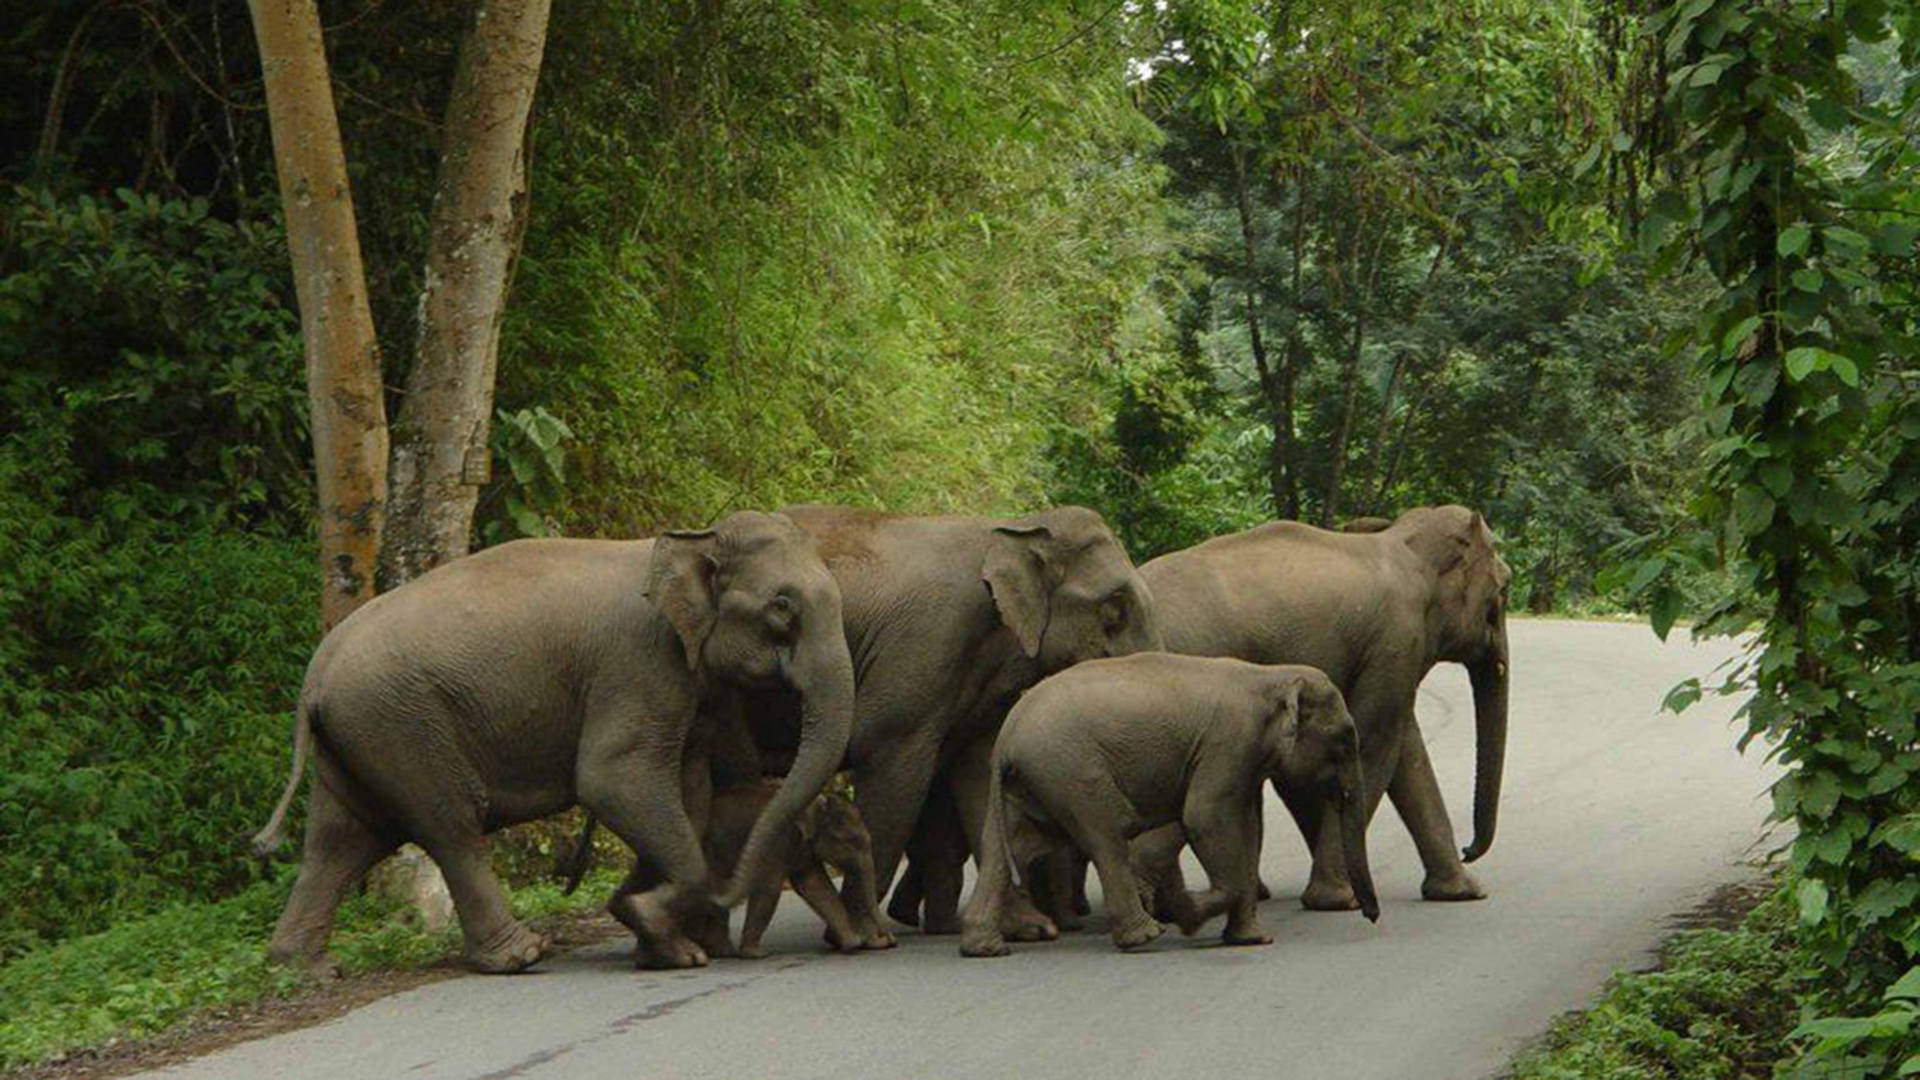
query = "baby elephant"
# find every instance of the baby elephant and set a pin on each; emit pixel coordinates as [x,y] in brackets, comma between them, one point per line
[1110,749]
[828,832]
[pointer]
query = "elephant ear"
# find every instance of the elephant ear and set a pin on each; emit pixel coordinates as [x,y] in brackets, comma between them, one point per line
[1283,718]
[680,583]
[1016,575]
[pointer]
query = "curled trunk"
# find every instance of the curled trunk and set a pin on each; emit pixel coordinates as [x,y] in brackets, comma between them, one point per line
[822,672]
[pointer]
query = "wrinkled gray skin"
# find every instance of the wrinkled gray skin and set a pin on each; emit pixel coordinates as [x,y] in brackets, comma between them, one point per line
[948,619]
[1375,610]
[828,832]
[514,683]
[1098,755]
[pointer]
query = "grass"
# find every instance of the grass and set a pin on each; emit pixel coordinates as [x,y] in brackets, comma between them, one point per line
[151,975]
[1718,1007]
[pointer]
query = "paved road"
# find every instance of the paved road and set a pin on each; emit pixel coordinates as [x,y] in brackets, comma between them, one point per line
[1616,818]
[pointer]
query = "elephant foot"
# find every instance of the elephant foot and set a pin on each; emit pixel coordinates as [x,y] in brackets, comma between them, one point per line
[1135,935]
[1323,897]
[669,954]
[1029,926]
[1250,934]
[1070,922]
[985,942]
[838,941]
[1457,885]
[755,951]
[1263,893]
[659,943]
[515,948]
[904,908]
[878,939]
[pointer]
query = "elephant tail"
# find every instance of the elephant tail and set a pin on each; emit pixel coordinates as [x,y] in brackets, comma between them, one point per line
[268,839]
[582,856]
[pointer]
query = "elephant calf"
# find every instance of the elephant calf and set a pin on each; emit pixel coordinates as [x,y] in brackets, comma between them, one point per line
[828,833]
[1110,749]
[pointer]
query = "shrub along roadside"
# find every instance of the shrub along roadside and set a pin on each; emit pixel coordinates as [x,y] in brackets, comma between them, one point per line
[1719,1007]
[148,976]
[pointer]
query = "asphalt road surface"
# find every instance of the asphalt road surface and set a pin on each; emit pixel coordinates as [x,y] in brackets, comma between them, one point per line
[1616,818]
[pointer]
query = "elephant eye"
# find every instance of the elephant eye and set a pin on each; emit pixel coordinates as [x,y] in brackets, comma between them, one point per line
[1113,611]
[783,614]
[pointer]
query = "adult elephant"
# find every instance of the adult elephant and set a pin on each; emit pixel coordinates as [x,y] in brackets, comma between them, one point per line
[1376,609]
[514,683]
[948,619]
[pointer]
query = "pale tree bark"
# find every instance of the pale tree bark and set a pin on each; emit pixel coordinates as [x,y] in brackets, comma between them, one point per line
[440,453]
[1281,422]
[343,355]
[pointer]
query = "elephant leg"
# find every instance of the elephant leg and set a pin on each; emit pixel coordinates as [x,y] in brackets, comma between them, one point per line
[1226,839]
[1052,887]
[1416,795]
[1129,922]
[911,891]
[862,885]
[970,772]
[336,854]
[936,860]
[1381,740]
[496,942]
[889,788]
[814,887]
[761,903]
[637,791]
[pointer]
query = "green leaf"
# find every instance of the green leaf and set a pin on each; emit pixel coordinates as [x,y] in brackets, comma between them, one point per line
[1752,510]
[1907,986]
[1801,362]
[1681,698]
[1844,369]
[1664,610]
[1793,240]
[1808,279]
[1738,336]
[1811,895]
[1644,574]
[1819,794]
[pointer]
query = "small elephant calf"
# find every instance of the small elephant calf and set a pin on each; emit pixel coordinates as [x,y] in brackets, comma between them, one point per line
[827,832]
[1109,749]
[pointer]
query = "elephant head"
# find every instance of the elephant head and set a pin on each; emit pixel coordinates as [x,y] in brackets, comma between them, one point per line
[1467,624]
[1310,741]
[1066,588]
[753,605]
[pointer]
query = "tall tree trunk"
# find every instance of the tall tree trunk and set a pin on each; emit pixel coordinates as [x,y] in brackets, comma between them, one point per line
[1278,456]
[1400,440]
[1291,355]
[1400,360]
[441,454]
[348,412]
[1362,300]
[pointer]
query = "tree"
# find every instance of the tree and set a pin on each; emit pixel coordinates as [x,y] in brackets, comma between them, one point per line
[343,357]
[440,452]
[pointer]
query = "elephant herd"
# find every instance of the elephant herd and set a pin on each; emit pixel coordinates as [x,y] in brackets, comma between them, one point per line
[1015,688]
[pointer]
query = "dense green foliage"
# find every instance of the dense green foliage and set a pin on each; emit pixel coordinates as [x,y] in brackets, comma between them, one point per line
[1386,301]
[1793,183]
[1718,1007]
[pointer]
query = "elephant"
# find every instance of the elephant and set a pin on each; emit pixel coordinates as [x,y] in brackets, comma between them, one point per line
[828,832]
[1112,749]
[948,619]
[513,683]
[1376,608]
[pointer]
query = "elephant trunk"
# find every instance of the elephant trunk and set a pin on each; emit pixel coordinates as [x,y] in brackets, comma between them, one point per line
[823,674]
[1489,676]
[1353,838]
[1148,636]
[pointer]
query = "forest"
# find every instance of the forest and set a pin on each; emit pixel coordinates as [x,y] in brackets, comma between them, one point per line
[1632,279]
